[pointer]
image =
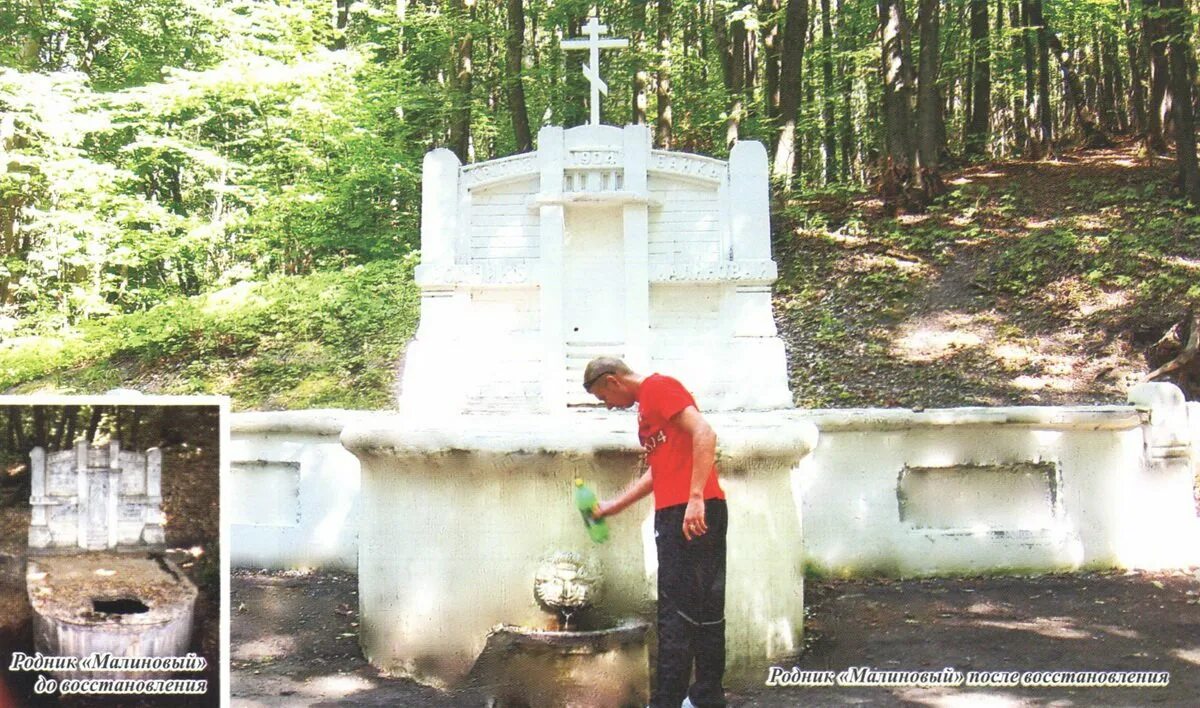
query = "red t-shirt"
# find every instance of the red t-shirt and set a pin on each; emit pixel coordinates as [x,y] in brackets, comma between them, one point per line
[668,447]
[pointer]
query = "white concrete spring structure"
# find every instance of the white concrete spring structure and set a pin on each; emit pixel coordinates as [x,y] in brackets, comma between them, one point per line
[598,245]
[892,492]
[458,518]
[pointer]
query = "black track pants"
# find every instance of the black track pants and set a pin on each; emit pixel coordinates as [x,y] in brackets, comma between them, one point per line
[691,608]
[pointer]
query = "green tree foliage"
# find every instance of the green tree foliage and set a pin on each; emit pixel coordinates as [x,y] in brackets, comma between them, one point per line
[165,149]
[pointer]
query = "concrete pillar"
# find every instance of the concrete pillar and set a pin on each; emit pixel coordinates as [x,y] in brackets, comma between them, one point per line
[83,493]
[39,530]
[551,163]
[439,208]
[636,226]
[749,192]
[152,532]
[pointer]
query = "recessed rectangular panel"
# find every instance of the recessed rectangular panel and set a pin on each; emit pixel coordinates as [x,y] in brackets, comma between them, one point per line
[986,498]
[62,479]
[265,493]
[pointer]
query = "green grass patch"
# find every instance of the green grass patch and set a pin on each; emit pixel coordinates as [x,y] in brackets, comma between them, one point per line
[329,339]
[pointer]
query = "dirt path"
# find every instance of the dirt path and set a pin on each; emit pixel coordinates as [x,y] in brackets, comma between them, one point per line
[293,640]
[1031,283]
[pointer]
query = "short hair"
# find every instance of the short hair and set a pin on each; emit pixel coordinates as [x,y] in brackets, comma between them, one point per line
[601,366]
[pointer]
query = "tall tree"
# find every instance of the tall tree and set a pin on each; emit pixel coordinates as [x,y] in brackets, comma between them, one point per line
[1017,100]
[641,76]
[795,30]
[927,178]
[1093,134]
[899,148]
[1137,73]
[1158,112]
[1179,47]
[461,77]
[664,125]
[1042,135]
[846,129]
[514,52]
[827,94]
[737,78]
[981,80]
[769,10]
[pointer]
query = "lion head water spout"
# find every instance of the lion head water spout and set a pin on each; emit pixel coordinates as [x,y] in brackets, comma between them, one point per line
[567,584]
[534,666]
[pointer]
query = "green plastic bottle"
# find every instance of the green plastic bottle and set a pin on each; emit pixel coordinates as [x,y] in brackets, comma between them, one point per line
[585,500]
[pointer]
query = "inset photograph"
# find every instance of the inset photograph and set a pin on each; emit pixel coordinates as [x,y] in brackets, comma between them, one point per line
[110,572]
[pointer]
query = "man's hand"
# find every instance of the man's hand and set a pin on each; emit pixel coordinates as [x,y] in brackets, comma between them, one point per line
[694,524]
[604,508]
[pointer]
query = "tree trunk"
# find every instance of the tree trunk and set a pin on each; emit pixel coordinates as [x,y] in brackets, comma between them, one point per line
[461,79]
[341,18]
[1137,73]
[1159,110]
[771,56]
[846,165]
[827,90]
[926,177]
[72,425]
[1177,24]
[899,155]
[641,76]
[94,423]
[981,80]
[1042,135]
[737,73]
[664,125]
[514,50]
[1093,135]
[39,426]
[577,91]
[1112,118]
[1019,103]
[795,28]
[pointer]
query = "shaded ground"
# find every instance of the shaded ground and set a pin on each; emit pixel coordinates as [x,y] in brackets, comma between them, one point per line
[1031,283]
[294,640]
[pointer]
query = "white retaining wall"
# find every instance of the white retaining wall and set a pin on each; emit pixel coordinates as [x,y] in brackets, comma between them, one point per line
[294,495]
[886,491]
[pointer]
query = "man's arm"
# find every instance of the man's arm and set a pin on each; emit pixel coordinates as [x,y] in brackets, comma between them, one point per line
[639,488]
[704,456]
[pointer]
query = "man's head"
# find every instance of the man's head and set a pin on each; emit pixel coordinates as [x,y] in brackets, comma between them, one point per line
[612,381]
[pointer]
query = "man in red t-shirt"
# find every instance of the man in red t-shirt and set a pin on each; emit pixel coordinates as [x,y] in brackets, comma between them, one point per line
[690,522]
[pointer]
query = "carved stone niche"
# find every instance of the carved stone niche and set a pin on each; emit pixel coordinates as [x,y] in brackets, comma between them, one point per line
[96,498]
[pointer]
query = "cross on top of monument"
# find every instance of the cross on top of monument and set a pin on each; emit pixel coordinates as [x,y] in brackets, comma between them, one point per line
[593,29]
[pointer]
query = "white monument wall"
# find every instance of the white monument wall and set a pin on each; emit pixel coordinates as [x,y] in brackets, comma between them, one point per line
[293,491]
[1107,501]
[594,245]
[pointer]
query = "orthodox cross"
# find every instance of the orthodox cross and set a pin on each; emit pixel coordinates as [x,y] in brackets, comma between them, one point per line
[593,29]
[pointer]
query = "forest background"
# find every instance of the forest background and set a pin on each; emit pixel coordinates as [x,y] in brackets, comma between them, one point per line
[975,201]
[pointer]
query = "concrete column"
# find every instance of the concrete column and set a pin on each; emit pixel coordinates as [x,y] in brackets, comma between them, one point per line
[636,225]
[152,532]
[439,208]
[83,489]
[39,530]
[551,162]
[112,501]
[749,194]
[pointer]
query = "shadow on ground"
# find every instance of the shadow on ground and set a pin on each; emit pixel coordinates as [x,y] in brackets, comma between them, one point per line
[294,640]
